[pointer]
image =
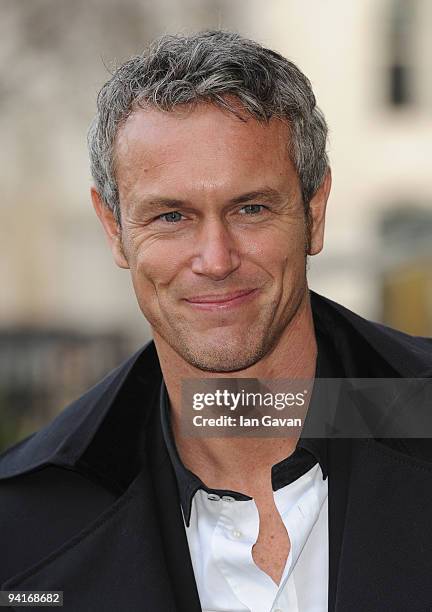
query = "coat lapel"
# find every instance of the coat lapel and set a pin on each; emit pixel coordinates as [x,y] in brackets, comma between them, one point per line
[339,464]
[373,486]
[171,525]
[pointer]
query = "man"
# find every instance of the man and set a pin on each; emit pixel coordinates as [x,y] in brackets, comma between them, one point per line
[211,181]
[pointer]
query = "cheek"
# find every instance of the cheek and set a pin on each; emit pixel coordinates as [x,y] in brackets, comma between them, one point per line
[157,263]
[279,252]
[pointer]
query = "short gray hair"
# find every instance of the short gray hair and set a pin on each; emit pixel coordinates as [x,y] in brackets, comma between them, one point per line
[211,66]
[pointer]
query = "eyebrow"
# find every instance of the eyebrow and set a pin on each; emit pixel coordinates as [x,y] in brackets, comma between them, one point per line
[266,194]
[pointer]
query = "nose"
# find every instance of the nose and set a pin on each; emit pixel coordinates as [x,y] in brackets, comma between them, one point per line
[216,255]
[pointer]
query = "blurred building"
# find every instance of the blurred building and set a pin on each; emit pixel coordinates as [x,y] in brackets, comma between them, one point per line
[370,64]
[41,370]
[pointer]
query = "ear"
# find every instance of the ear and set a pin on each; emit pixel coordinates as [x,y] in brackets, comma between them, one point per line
[317,210]
[111,228]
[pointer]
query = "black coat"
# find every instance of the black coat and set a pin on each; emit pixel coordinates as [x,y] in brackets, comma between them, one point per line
[89,504]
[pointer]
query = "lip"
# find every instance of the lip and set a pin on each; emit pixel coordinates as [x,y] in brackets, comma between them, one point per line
[221,301]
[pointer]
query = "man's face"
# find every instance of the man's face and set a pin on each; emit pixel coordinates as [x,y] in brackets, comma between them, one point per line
[213,231]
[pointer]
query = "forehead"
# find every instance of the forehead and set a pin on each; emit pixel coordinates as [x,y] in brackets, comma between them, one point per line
[203,147]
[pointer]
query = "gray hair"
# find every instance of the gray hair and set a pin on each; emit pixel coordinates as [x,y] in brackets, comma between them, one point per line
[211,66]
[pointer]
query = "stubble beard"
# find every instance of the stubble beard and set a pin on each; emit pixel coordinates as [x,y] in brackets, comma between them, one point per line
[229,355]
[236,353]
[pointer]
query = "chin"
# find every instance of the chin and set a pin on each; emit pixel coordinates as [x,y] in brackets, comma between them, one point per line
[221,358]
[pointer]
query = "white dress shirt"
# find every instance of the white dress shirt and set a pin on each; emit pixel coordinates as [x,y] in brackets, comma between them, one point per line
[222,532]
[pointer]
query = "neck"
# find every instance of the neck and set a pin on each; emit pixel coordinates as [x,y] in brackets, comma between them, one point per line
[212,458]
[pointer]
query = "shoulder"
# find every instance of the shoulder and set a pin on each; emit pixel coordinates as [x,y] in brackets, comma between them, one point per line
[64,440]
[407,355]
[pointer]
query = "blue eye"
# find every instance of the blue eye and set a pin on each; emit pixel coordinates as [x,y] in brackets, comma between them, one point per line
[251,209]
[171,217]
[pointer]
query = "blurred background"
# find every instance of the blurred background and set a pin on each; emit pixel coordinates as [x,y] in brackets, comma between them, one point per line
[67,314]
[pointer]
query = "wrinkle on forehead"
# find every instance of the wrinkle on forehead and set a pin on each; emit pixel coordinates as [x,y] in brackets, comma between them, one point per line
[215,148]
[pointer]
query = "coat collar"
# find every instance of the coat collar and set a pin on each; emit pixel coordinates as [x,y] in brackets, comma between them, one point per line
[94,421]
[88,430]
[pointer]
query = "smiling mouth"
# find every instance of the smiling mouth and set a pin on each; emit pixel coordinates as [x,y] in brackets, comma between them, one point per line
[221,301]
